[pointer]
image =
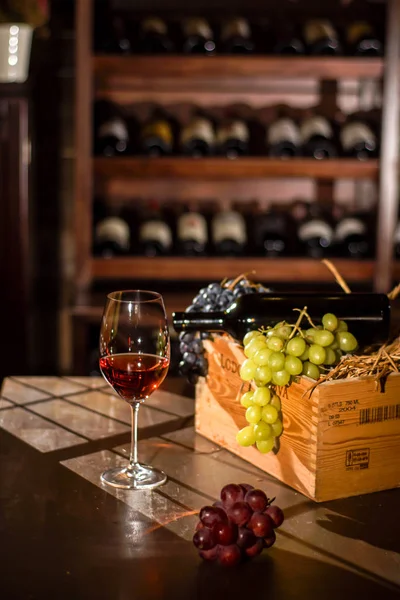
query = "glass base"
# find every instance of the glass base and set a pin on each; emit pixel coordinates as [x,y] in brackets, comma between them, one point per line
[142,477]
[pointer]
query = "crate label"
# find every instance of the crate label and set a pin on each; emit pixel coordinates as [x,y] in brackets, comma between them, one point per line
[357,459]
[338,411]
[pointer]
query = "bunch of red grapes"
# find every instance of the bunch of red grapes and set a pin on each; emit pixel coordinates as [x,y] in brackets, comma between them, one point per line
[238,526]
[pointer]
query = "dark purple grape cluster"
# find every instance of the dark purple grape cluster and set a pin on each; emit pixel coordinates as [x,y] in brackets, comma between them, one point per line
[238,526]
[214,297]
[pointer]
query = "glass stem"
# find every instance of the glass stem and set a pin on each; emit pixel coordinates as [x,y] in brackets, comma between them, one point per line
[133,461]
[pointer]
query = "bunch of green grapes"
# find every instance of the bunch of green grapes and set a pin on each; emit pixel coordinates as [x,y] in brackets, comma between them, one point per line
[277,355]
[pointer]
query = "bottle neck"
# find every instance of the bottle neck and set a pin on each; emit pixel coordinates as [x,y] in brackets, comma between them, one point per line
[197,321]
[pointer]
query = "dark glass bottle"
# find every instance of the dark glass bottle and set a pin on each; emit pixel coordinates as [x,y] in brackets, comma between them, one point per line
[197,138]
[111,135]
[192,233]
[352,238]
[198,37]
[155,236]
[396,241]
[367,315]
[111,237]
[287,40]
[315,233]
[236,37]
[283,138]
[233,138]
[156,136]
[317,137]
[119,39]
[321,38]
[362,40]
[358,140]
[273,232]
[229,235]
[153,37]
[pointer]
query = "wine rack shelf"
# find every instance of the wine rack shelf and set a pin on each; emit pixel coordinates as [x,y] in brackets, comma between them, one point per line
[223,168]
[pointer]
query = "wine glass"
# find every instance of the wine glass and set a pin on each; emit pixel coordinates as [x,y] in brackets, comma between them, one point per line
[134,360]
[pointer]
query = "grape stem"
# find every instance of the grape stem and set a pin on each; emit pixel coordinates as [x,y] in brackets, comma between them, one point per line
[296,326]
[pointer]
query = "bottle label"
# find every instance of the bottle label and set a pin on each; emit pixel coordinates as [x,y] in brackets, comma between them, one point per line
[158,129]
[195,26]
[154,25]
[283,130]
[199,128]
[356,132]
[315,126]
[192,226]
[236,130]
[235,28]
[358,30]
[229,225]
[114,229]
[315,229]
[157,231]
[114,128]
[316,30]
[349,226]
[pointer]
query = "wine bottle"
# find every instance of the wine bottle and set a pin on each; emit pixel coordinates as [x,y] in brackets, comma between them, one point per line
[352,238]
[119,39]
[236,36]
[155,236]
[111,130]
[198,37]
[233,138]
[156,135]
[198,137]
[316,233]
[358,140]
[111,237]
[321,38]
[362,40]
[153,37]
[229,235]
[283,138]
[192,233]
[273,232]
[367,315]
[317,137]
[287,40]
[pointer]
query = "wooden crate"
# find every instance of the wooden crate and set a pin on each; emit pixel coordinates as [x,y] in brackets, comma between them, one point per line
[341,441]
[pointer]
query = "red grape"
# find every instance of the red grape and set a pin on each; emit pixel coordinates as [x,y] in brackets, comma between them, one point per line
[199,526]
[256,549]
[204,539]
[218,504]
[209,515]
[246,487]
[270,540]
[261,525]
[224,533]
[276,515]
[229,556]
[245,538]
[211,554]
[257,500]
[240,513]
[231,493]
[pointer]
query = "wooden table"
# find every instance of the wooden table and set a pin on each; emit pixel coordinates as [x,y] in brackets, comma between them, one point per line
[64,535]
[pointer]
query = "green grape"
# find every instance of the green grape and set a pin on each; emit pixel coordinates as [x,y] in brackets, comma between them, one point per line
[247,370]
[270,331]
[330,322]
[247,399]
[276,402]
[276,361]
[310,333]
[280,377]
[324,338]
[342,326]
[317,354]
[263,375]
[311,370]
[254,346]
[330,358]
[250,335]
[334,345]
[261,357]
[347,341]
[265,447]
[269,414]
[293,365]
[246,436]
[262,396]
[275,343]
[277,428]
[305,355]
[253,414]
[262,431]
[296,346]
[283,331]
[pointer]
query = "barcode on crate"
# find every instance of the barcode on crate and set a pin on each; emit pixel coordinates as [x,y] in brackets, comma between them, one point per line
[377,414]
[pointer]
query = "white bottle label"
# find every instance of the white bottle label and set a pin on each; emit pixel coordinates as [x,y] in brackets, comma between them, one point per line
[349,226]
[115,128]
[237,130]
[192,226]
[356,132]
[229,225]
[199,128]
[154,24]
[283,130]
[315,229]
[317,30]
[235,27]
[315,126]
[157,231]
[113,229]
[196,26]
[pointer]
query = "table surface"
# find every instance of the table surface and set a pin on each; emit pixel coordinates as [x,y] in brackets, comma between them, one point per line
[65,535]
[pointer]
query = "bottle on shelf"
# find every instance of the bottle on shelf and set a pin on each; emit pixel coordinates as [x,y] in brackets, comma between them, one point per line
[197,138]
[111,134]
[352,237]
[192,232]
[283,138]
[118,41]
[236,36]
[228,232]
[287,40]
[155,236]
[358,140]
[321,38]
[198,37]
[273,232]
[367,315]
[153,37]
[317,137]
[362,40]
[233,138]
[315,233]
[112,237]
[156,135]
